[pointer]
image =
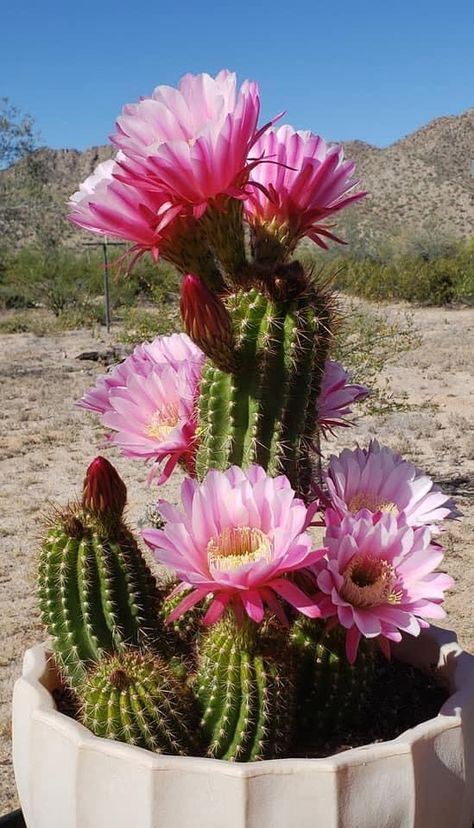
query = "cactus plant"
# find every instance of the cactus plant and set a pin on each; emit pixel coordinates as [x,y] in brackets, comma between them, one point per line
[96,591]
[246,692]
[134,697]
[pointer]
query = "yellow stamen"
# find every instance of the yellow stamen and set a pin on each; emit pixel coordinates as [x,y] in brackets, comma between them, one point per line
[238,546]
[162,423]
[369,582]
[365,500]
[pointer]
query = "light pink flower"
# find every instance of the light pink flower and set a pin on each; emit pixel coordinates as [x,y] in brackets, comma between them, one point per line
[379,480]
[107,206]
[377,579]
[239,533]
[191,142]
[177,350]
[153,418]
[302,183]
[337,395]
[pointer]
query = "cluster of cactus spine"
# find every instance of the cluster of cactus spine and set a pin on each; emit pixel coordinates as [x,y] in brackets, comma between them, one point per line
[96,592]
[246,693]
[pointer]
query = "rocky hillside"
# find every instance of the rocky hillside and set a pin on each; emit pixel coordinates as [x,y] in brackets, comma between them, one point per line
[421,184]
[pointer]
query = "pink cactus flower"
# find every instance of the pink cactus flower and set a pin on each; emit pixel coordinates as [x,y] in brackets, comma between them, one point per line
[107,206]
[238,535]
[191,142]
[177,350]
[378,579]
[379,480]
[337,396]
[302,183]
[153,418]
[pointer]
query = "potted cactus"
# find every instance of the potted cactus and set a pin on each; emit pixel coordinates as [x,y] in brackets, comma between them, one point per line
[299,590]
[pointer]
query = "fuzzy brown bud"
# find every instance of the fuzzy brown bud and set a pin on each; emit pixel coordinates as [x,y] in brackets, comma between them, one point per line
[104,491]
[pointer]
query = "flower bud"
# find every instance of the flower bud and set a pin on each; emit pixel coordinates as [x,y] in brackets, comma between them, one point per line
[207,321]
[104,491]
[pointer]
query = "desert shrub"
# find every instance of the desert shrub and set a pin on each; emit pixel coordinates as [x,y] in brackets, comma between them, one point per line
[438,277]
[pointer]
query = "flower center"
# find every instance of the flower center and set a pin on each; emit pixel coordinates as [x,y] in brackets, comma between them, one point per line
[163,421]
[369,582]
[238,546]
[365,500]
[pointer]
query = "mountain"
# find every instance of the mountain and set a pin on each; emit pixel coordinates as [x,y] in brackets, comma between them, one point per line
[422,184]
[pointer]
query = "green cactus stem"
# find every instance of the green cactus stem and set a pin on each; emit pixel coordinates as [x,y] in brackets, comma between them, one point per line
[245,688]
[134,697]
[332,694]
[265,411]
[96,592]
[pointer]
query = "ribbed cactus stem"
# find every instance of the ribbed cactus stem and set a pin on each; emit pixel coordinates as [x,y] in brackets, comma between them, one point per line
[134,697]
[246,692]
[331,692]
[96,592]
[265,412]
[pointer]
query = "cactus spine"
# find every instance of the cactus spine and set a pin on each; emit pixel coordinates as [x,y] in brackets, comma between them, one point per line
[135,698]
[246,694]
[331,692]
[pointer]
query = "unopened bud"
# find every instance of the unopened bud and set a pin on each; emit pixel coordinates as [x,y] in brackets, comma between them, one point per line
[207,321]
[104,491]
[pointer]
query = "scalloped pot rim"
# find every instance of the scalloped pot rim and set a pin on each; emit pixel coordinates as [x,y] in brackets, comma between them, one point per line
[424,778]
[36,663]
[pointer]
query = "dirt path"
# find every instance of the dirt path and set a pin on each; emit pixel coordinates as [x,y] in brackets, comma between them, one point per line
[46,444]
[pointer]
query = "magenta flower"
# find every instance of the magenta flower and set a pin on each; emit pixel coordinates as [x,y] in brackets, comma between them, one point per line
[107,206]
[377,579]
[191,142]
[153,418]
[337,395]
[302,183]
[378,480]
[177,350]
[238,536]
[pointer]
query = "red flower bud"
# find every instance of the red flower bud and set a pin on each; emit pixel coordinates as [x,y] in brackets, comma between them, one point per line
[207,321]
[104,491]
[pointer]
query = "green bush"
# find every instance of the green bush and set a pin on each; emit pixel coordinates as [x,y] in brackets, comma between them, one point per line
[414,273]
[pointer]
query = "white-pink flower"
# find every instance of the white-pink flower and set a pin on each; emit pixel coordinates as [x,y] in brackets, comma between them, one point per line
[191,142]
[379,480]
[302,183]
[177,350]
[378,579]
[238,535]
[153,418]
[337,396]
[107,206]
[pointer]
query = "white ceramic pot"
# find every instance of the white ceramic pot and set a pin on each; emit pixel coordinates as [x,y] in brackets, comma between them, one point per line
[68,778]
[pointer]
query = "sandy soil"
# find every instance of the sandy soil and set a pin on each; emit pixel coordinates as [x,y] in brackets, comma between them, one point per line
[46,445]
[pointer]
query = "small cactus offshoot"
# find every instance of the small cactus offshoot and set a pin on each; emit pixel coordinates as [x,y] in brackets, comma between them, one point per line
[134,697]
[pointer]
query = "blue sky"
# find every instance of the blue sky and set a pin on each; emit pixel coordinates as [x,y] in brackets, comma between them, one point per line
[369,70]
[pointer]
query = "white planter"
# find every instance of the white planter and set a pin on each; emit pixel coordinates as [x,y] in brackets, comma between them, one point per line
[68,778]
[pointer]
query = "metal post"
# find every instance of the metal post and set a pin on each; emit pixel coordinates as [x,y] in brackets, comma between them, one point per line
[106,285]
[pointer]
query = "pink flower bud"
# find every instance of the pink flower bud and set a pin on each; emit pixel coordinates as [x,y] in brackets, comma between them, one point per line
[207,321]
[104,490]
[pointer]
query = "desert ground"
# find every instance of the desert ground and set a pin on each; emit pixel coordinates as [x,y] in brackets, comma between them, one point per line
[46,444]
